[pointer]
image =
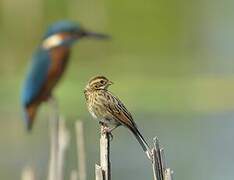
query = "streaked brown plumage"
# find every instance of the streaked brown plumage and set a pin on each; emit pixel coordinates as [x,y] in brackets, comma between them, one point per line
[109,110]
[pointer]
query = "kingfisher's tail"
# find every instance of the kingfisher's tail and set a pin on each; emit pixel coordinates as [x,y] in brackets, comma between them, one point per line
[29,115]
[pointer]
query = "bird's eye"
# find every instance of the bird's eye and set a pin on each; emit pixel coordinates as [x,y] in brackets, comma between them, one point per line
[102,82]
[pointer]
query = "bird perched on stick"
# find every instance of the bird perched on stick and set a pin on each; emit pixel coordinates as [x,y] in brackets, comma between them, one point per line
[48,64]
[109,110]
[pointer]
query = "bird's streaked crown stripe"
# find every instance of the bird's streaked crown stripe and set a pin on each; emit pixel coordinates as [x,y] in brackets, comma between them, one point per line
[97,79]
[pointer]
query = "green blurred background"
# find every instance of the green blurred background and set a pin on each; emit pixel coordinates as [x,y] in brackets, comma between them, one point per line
[172,64]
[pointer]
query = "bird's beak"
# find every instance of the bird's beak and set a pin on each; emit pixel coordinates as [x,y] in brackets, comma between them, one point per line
[95,35]
[110,83]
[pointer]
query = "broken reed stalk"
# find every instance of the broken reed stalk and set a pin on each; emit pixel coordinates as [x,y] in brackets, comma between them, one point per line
[74,175]
[58,143]
[81,156]
[54,132]
[103,172]
[160,171]
[28,173]
[63,143]
[98,172]
[168,174]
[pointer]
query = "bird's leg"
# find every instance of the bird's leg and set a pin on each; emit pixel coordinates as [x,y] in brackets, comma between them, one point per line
[107,129]
[110,129]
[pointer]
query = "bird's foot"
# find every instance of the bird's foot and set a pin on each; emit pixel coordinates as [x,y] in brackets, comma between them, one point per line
[108,131]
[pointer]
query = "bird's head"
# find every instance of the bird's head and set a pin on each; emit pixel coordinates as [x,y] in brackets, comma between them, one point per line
[98,83]
[65,33]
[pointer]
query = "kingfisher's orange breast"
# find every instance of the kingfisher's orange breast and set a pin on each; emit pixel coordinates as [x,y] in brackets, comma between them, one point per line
[59,57]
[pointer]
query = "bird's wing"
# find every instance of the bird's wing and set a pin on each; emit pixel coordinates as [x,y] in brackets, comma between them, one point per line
[36,76]
[119,112]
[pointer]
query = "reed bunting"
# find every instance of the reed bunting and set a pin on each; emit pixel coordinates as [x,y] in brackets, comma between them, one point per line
[109,110]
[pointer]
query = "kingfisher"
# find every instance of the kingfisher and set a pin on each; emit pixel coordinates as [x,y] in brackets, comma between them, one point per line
[48,64]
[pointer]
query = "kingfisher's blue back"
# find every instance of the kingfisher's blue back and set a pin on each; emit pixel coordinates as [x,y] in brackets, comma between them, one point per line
[36,76]
[35,79]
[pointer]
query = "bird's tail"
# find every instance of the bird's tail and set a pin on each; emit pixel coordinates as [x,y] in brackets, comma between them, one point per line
[29,115]
[142,142]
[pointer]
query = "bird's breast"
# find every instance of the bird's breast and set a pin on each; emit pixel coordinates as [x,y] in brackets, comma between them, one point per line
[58,57]
[93,105]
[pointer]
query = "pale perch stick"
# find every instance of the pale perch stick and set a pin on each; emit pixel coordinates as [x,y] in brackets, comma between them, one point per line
[63,139]
[28,173]
[157,170]
[155,166]
[162,159]
[54,131]
[160,171]
[103,172]
[105,154]
[81,150]
[98,173]
[168,174]
[74,175]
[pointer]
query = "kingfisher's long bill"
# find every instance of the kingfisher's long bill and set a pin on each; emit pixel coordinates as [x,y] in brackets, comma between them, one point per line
[48,64]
